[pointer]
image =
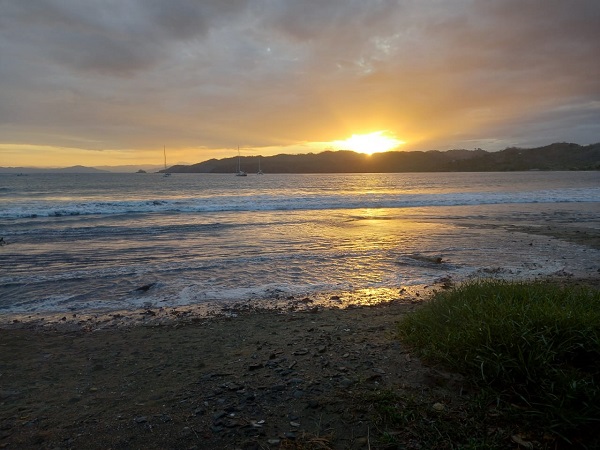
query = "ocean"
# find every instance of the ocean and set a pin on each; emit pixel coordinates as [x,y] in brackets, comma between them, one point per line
[108,242]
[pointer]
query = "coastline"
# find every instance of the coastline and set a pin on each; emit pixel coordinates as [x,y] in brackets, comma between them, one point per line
[247,379]
[243,377]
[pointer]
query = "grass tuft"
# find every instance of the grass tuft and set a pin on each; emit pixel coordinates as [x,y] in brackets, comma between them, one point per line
[535,344]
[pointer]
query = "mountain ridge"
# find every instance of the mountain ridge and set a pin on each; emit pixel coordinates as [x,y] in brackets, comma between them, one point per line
[556,156]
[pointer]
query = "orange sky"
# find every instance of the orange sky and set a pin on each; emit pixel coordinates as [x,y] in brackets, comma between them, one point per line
[110,83]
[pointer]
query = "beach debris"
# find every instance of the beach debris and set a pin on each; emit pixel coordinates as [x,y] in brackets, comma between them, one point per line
[426,260]
[145,288]
[446,282]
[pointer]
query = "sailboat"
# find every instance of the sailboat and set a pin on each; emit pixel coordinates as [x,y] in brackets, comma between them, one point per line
[260,172]
[240,172]
[166,174]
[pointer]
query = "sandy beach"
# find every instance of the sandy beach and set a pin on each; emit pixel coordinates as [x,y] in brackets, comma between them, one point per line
[292,376]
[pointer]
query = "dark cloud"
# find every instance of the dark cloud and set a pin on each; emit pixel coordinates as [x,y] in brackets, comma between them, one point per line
[213,73]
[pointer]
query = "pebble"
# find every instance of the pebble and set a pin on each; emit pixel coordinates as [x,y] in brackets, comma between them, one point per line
[346,382]
[219,414]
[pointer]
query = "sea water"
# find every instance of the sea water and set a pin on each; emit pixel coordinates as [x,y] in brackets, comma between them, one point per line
[84,242]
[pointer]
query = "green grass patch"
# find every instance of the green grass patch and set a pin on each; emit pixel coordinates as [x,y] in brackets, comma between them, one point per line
[536,345]
[410,420]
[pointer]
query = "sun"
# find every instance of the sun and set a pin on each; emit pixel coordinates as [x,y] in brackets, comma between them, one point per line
[375,142]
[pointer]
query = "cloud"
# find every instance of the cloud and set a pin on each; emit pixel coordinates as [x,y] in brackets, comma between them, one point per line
[213,74]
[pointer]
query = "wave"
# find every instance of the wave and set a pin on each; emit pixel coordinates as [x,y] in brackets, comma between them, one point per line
[249,203]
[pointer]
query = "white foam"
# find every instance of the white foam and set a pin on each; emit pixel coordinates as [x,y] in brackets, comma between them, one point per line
[275,202]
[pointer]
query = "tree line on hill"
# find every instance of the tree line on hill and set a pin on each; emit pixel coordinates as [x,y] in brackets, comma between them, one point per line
[557,156]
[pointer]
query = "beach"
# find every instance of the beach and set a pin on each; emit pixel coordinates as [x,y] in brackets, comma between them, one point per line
[247,377]
[255,328]
[253,379]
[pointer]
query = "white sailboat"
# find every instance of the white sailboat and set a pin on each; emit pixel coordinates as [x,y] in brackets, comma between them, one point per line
[166,174]
[260,172]
[240,172]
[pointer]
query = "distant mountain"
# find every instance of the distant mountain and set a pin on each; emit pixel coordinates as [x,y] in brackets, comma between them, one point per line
[80,169]
[558,156]
[83,169]
[73,169]
[131,168]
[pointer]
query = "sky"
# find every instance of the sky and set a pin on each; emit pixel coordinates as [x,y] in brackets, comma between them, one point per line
[113,82]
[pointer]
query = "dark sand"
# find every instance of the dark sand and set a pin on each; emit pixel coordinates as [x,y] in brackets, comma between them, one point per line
[259,378]
[252,379]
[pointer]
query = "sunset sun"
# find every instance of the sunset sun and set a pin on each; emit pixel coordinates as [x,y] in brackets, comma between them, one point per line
[378,141]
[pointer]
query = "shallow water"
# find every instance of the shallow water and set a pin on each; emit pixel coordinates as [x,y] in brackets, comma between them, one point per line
[84,242]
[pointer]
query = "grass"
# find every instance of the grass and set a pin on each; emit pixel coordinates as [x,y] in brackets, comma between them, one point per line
[535,346]
[410,421]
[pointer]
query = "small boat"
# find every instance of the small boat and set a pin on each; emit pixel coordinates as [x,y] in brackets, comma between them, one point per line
[260,172]
[166,174]
[240,172]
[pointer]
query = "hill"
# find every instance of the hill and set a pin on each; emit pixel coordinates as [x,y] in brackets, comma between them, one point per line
[72,169]
[558,156]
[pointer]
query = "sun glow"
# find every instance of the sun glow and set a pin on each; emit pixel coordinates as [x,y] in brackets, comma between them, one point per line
[378,141]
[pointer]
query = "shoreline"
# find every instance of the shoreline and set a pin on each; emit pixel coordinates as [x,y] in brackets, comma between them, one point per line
[168,316]
[537,229]
[251,379]
[293,375]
